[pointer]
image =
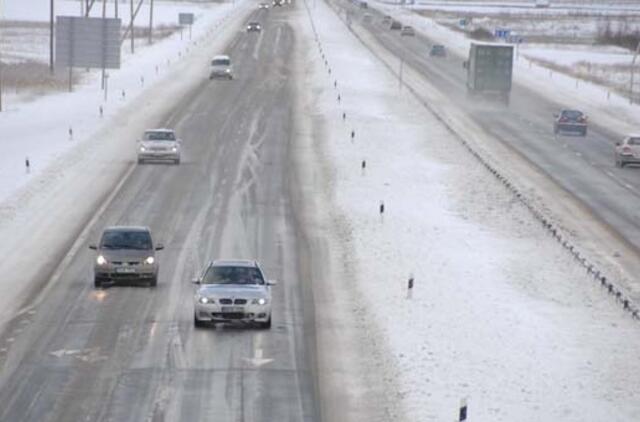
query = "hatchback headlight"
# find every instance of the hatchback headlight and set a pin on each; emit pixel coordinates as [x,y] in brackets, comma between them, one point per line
[149,260]
[261,301]
[204,300]
[101,260]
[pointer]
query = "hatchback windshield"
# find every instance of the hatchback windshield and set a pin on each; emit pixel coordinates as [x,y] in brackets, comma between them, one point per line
[159,136]
[221,62]
[232,275]
[119,239]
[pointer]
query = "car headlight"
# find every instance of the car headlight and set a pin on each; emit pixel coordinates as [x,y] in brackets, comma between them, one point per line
[204,300]
[174,149]
[142,149]
[101,260]
[227,70]
[149,260]
[261,301]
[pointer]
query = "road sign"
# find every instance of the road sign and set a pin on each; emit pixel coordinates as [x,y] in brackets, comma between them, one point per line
[87,42]
[185,18]
[502,33]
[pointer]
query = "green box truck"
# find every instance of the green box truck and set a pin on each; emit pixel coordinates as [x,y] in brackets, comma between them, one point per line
[489,70]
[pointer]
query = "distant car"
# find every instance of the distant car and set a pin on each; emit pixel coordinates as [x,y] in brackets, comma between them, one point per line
[386,20]
[253,27]
[364,5]
[541,4]
[278,3]
[628,151]
[159,145]
[263,6]
[407,31]
[233,291]
[437,50]
[126,254]
[221,67]
[570,121]
[395,25]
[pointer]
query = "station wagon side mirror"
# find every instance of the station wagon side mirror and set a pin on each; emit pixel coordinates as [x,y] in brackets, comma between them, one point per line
[159,247]
[196,280]
[271,282]
[94,247]
[465,64]
[618,144]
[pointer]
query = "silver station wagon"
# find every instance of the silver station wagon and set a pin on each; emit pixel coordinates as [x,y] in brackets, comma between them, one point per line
[232,291]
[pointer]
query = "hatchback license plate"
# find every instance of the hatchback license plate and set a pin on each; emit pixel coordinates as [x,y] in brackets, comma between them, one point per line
[232,309]
[126,270]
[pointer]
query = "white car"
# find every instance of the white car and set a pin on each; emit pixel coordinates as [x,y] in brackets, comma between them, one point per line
[159,144]
[232,291]
[221,67]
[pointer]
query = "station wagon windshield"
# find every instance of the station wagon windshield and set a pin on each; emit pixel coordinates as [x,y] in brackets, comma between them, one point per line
[221,62]
[233,275]
[159,136]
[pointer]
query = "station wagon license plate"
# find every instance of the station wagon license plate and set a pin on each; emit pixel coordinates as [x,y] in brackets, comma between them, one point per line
[126,270]
[232,309]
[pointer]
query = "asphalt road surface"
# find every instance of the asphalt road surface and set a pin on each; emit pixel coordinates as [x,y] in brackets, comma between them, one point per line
[132,353]
[583,166]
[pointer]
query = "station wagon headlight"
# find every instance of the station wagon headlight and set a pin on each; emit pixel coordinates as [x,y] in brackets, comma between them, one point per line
[204,300]
[261,301]
[143,149]
[174,149]
[101,260]
[227,70]
[149,260]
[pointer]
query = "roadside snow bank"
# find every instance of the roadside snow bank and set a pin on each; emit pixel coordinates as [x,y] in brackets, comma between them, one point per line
[499,312]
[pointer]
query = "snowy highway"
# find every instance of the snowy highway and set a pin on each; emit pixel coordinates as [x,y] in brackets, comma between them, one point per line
[132,353]
[410,279]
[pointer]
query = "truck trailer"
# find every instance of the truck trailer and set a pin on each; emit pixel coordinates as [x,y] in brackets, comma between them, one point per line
[489,70]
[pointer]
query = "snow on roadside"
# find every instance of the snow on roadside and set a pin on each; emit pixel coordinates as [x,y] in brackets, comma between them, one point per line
[499,313]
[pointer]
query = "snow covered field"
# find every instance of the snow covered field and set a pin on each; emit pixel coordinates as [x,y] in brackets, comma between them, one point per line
[499,314]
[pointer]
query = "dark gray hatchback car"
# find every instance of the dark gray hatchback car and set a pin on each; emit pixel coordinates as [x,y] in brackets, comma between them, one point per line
[126,254]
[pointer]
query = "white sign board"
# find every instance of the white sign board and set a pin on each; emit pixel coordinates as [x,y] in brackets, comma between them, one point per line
[87,42]
[185,18]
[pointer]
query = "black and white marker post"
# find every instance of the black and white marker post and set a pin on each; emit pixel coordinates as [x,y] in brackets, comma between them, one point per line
[463,411]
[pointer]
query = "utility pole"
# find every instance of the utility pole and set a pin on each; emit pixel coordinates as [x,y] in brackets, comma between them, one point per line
[633,70]
[104,17]
[1,17]
[151,22]
[51,13]
[115,5]
[132,42]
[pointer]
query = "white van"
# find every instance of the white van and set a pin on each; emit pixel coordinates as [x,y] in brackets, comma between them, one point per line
[221,67]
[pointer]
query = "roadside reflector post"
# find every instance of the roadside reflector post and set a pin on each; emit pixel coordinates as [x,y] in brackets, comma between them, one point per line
[463,411]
